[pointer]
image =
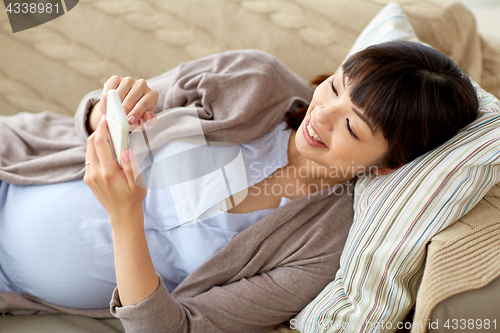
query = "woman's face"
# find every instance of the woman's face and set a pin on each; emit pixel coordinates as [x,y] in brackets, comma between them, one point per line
[349,144]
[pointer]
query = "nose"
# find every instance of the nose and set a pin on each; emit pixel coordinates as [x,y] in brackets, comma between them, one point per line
[325,116]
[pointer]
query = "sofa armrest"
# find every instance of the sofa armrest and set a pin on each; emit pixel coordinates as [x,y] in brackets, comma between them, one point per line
[461,258]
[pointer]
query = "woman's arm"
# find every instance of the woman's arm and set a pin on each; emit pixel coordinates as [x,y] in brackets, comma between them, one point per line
[118,192]
[135,274]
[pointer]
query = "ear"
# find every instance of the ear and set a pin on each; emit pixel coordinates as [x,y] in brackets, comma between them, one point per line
[385,171]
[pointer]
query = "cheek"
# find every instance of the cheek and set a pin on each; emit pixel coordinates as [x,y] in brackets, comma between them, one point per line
[342,148]
[352,153]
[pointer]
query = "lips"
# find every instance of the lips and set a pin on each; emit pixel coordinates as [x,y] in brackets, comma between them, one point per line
[310,124]
[309,139]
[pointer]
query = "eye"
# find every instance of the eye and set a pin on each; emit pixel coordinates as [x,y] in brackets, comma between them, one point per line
[349,129]
[333,87]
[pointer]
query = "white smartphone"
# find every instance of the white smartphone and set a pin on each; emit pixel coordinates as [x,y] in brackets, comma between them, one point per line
[117,124]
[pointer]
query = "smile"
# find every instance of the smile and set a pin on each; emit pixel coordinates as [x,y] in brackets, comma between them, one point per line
[312,133]
[311,136]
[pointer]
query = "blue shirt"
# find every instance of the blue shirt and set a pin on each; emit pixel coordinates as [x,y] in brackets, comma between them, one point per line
[56,240]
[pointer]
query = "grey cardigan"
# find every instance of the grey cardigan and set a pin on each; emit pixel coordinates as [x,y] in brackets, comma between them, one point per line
[268,272]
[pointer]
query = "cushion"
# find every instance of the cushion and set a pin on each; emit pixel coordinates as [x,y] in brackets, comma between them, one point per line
[396,215]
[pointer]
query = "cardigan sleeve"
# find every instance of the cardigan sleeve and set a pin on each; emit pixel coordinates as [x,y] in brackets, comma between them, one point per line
[254,304]
[82,112]
[261,278]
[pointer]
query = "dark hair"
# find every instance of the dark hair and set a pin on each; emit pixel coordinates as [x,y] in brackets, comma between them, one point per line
[418,97]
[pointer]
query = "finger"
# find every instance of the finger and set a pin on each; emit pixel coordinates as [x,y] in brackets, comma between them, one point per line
[131,170]
[134,105]
[124,88]
[112,83]
[140,100]
[142,126]
[102,146]
[146,121]
[90,153]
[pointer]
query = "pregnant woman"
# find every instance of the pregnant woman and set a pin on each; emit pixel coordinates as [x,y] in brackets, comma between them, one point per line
[252,256]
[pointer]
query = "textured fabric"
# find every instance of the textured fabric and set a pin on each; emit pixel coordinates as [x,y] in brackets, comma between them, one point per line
[463,257]
[39,246]
[396,215]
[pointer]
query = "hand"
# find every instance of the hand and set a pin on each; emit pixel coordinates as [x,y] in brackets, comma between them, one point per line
[114,187]
[137,98]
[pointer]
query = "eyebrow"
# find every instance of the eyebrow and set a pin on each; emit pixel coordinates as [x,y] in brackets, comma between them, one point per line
[356,111]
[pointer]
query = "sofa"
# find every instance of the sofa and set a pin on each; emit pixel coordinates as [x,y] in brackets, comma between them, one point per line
[52,66]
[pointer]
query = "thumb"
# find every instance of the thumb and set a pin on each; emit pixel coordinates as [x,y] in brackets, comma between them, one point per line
[131,169]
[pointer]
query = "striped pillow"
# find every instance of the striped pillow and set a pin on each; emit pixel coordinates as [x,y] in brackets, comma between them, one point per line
[396,215]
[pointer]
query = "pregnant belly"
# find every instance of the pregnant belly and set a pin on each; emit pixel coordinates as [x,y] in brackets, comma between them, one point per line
[56,244]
